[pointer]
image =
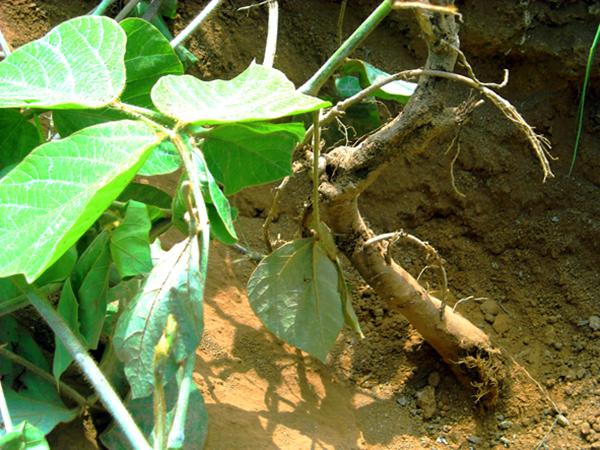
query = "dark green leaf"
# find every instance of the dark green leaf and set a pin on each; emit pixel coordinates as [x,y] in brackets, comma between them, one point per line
[49,200]
[17,137]
[294,291]
[258,93]
[68,308]
[147,194]
[196,424]
[130,244]
[60,270]
[24,437]
[168,8]
[398,90]
[174,286]
[77,65]
[68,122]
[249,154]
[347,86]
[12,299]
[148,57]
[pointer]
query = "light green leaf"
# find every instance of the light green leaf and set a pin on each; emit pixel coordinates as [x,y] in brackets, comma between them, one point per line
[17,137]
[148,57]
[196,424]
[68,308]
[294,291]
[77,65]
[90,281]
[249,154]
[164,159]
[43,414]
[130,242]
[218,229]
[258,93]
[398,90]
[347,86]
[49,200]
[215,196]
[24,437]
[174,286]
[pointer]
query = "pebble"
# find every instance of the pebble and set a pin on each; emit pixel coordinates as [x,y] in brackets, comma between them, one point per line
[490,307]
[504,441]
[426,401]
[562,420]
[505,424]
[585,428]
[557,345]
[434,379]
[502,323]
[441,440]
[402,400]
[474,440]
[594,323]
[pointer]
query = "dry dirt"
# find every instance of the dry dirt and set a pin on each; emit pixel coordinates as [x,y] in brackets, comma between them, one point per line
[529,249]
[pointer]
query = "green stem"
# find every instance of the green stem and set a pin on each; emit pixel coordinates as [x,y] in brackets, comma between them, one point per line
[316,82]
[4,413]
[67,390]
[315,173]
[177,433]
[580,109]
[138,112]
[194,24]
[38,127]
[4,45]
[102,7]
[107,395]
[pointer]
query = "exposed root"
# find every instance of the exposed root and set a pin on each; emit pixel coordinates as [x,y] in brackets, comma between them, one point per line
[487,371]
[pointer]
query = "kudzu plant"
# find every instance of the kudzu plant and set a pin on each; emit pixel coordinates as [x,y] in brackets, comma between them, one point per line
[80,236]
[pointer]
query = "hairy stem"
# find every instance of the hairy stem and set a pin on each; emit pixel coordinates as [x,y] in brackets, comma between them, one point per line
[271,45]
[316,82]
[126,10]
[315,172]
[102,7]
[177,433]
[4,413]
[194,24]
[4,45]
[96,378]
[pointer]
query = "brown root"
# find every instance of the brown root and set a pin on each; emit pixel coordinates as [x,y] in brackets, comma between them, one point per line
[486,370]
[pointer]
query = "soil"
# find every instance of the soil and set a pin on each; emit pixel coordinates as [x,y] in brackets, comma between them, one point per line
[526,251]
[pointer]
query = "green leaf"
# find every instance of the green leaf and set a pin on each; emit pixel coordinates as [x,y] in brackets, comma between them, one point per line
[147,194]
[398,90]
[218,229]
[44,414]
[258,93]
[77,65]
[68,122]
[174,286]
[347,86]
[68,308]
[12,299]
[168,8]
[17,137]
[164,159]
[148,57]
[250,154]
[215,196]
[61,269]
[196,423]
[294,291]
[130,242]
[90,281]
[24,437]
[49,200]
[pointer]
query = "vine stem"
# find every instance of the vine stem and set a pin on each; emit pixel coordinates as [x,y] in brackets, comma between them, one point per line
[194,24]
[271,45]
[4,45]
[316,82]
[6,420]
[177,432]
[67,390]
[315,173]
[126,10]
[102,7]
[96,378]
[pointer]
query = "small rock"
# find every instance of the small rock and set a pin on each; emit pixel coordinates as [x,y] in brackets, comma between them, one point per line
[489,318]
[426,401]
[402,400]
[441,440]
[595,446]
[474,440]
[562,420]
[557,345]
[502,323]
[433,379]
[490,307]
[504,441]
[505,424]
[585,428]
[594,323]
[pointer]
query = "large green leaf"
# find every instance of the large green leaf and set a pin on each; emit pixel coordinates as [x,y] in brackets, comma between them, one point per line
[164,159]
[368,74]
[24,437]
[130,242]
[258,93]
[79,64]
[196,423]
[249,154]
[49,200]
[149,56]
[61,269]
[174,286]
[17,137]
[68,308]
[294,291]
